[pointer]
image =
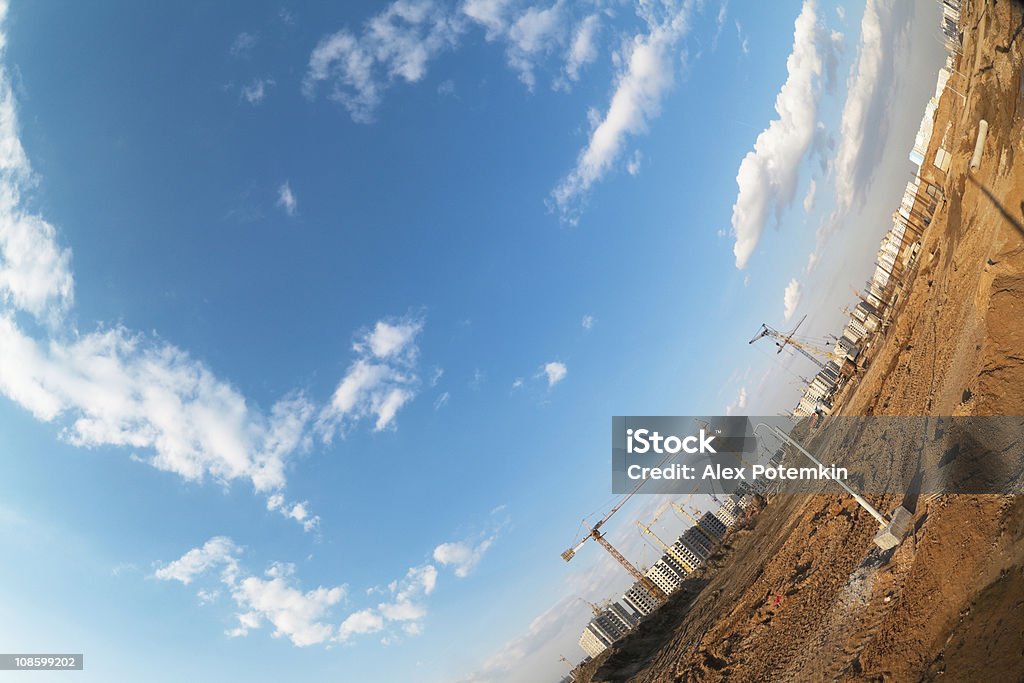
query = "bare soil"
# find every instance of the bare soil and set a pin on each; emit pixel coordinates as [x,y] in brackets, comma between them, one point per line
[804,595]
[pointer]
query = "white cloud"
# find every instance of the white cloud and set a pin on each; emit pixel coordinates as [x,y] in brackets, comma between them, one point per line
[633,165]
[391,339]
[588,322]
[723,12]
[491,14]
[406,605]
[286,199]
[442,400]
[791,298]
[360,623]
[864,124]
[739,405]
[35,274]
[555,372]
[646,74]
[841,12]
[768,175]
[812,190]
[742,38]
[243,44]
[120,389]
[583,48]
[293,614]
[295,511]
[256,90]
[272,598]
[397,43]
[217,551]
[115,387]
[463,557]
[534,33]
[379,382]
[518,383]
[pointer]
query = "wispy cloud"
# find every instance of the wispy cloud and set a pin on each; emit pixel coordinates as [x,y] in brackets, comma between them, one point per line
[243,44]
[739,405]
[256,90]
[286,199]
[535,32]
[768,175]
[812,191]
[583,48]
[462,556]
[646,74]
[588,322]
[791,298]
[397,43]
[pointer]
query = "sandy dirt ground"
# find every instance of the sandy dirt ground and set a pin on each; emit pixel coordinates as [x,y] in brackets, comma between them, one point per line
[803,594]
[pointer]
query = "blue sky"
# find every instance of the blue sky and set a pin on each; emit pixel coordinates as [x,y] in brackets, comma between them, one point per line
[313,317]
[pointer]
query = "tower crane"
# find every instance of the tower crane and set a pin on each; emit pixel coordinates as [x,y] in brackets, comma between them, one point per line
[595,533]
[697,524]
[670,550]
[808,350]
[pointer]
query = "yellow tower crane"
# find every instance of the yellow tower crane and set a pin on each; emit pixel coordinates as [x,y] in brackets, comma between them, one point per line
[811,351]
[594,532]
[670,550]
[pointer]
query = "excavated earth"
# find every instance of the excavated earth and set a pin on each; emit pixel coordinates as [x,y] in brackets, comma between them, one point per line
[802,594]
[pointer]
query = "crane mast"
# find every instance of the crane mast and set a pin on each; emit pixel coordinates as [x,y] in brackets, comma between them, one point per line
[595,533]
[809,351]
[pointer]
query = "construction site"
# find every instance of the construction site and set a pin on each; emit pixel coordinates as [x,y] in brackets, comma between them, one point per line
[769,585]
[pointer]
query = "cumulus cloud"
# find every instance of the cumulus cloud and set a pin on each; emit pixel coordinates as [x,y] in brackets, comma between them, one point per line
[296,615]
[406,605]
[462,556]
[359,623]
[217,551]
[646,74]
[272,598]
[381,380]
[295,511]
[304,617]
[588,322]
[864,124]
[768,175]
[555,372]
[397,43]
[121,389]
[791,298]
